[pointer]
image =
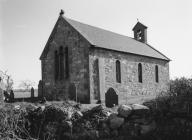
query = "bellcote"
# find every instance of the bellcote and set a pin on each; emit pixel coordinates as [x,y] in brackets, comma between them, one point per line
[140,32]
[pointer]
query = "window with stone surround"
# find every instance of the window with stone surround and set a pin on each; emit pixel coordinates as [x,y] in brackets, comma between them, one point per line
[61,63]
[118,71]
[140,78]
[156,74]
[66,62]
[56,65]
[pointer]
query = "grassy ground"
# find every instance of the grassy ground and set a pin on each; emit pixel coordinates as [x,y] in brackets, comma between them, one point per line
[24,94]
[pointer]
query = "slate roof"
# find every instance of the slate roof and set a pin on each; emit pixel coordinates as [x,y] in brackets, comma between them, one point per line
[109,40]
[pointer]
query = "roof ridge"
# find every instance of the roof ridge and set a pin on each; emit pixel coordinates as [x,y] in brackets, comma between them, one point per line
[98,27]
[108,39]
[109,31]
[76,24]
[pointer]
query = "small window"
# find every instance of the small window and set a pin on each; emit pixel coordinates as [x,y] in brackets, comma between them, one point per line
[61,63]
[56,65]
[118,71]
[156,74]
[66,62]
[140,73]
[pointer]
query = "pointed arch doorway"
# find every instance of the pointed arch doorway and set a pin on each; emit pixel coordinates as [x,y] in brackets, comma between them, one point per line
[111,98]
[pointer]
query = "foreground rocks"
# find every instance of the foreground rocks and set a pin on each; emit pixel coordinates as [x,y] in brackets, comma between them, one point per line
[68,121]
[115,122]
[124,110]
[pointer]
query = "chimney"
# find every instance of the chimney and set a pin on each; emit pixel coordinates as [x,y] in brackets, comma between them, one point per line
[140,32]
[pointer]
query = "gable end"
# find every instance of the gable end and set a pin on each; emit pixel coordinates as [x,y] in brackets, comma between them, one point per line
[46,48]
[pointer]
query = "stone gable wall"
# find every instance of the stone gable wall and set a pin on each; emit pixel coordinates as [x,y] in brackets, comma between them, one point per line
[67,36]
[129,85]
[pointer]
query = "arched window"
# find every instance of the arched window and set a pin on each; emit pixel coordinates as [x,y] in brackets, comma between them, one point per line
[140,73]
[156,74]
[56,65]
[118,71]
[61,63]
[66,62]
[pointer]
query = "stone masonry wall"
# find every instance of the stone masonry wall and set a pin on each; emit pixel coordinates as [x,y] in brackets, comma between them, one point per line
[129,85]
[67,36]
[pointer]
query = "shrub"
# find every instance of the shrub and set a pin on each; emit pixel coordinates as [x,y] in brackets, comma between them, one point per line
[181,86]
[13,123]
[173,111]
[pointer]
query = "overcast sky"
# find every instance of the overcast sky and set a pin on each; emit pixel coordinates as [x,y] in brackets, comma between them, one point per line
[25,26]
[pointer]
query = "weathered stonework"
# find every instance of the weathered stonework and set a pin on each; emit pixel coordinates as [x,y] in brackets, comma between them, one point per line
[129,74]
[92,70]
[64,36]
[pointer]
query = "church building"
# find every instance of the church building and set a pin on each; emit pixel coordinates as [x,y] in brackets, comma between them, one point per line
[92,65]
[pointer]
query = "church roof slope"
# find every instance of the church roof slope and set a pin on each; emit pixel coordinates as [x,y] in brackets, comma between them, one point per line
[109,40]
[113,41]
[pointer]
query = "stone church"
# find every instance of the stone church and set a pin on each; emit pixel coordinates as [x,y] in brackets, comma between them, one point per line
[93,65]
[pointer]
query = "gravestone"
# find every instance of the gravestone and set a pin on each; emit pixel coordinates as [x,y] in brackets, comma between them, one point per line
[111,98]
[40,89]
[32,93]
[12,96]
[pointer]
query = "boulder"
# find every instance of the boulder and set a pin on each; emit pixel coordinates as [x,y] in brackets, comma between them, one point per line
[30,107]
[79,113]
[140,109]
[96,111]
[67,125]
[141,120]
[147,128]
[116,122]
[112,115]
[97,108]
[139,106]
[93,134]
[124,110]
[76,116]
[104,126]
[104,133]
[17,107]
[114,133]
[130,129]
[43,108]
[126,129]
[108,113]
